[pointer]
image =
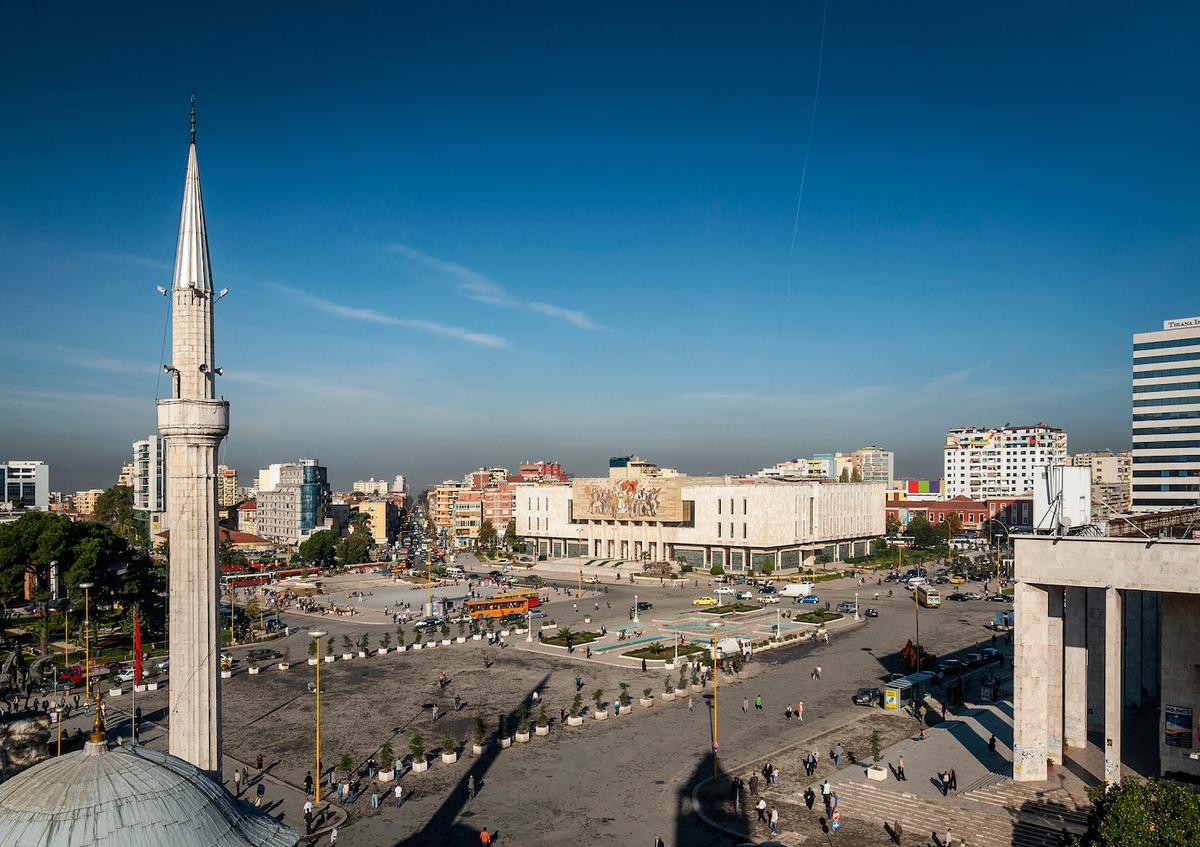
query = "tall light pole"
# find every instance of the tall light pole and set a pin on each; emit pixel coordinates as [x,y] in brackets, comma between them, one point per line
[917,616]
[529,627]
[715,626]
[1007,536]
[87,638]
[318,634]
[579,592]
[58,716]
[635,609]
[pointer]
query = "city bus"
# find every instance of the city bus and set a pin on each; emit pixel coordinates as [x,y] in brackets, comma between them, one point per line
[928,596]
[505,603]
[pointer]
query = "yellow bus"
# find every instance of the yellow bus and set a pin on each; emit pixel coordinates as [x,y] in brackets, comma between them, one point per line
[928,597]
[499,605]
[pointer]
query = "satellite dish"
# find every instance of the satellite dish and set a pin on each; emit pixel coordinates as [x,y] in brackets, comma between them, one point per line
[1066,521]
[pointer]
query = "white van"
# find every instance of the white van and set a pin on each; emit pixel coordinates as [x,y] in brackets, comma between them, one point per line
[796,589]
[915,581]
[455,573]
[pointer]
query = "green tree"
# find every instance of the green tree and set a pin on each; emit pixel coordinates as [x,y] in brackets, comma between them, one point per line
[891,525]
[114,509]
[1133,813]
[844,476]
[320,548]
[923,532]
[487,535]
[227,554]
[511,539]
[355,549]
[856,476]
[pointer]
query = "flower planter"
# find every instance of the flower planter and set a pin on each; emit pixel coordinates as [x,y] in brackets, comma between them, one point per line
[226,674]
[420,766]
[151,686]
[601,715]
[624,711]
[541,730]
[140,688]
[446,642]
[252,671]
[347,657]
[505,743]
[430,643]
[362,654]
[668,695]
[587,618]
[386,776]
[328,660]
[283,666]
[645,702]
[574,720]
[416,646]
[877,773]
[477,637]
[521,737]
[449,758]
[477,749]
[504,633]
[519,631]
[697,688]
[313,661]
[402,648]
[114,692]
[549,626]
[462,639]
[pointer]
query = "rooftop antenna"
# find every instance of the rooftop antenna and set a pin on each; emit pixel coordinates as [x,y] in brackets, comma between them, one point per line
[193,117]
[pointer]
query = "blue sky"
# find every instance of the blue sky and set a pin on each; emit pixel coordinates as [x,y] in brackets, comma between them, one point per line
[478,233]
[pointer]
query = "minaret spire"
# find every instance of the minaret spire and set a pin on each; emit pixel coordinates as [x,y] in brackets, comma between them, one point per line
[193,118]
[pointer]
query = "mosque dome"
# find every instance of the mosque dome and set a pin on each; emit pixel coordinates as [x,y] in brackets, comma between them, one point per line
[128,797]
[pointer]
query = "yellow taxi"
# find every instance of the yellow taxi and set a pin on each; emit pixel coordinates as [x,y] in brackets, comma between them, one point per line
[958,579]
[705,601]
[591,580]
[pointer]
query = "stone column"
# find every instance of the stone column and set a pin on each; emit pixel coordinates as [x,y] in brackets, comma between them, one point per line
[1095,665]
[1112,686]
[1075,660]
[1054,673]
[1030,683]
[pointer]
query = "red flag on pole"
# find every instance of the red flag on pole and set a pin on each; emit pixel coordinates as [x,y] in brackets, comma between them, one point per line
[137,649]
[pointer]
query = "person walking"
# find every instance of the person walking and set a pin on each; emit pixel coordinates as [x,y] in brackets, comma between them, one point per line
[800,711]
[992,745]
[374,799]
[826,792]
[953,780]
[761,808]
[435,713]
[787,713]
[691,705]
[471,787]
[773,823]
[754,784]
[758,703]
[810,764]
[308,820]
[333,837]
[745,705]
[237,782]
[259,762]
[837,753]
[900,769]
[398,793]
[658,842]
[944,778]
[258,794]
[643,665]
[897,832]
[948,839]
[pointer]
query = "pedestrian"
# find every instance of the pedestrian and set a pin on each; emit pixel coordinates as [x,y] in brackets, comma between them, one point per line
[691,705]
[485,837]
[237,782]
[897,832]
[953,780]
[810,797]
[944,778]
[754,784]
[992,745]
[761,808]
[837,754]
[787,713]
[259,762]
[658,842]
[375,800]
[818,671]
[745,705]
[800,711]
[810,764]
[774,821]
[333,837]
[758,706]
[258,794]
[435,714]
[398,792]
[643,665]
[826,791]
[900,769]
[471,787]
[308,819]
[949,839]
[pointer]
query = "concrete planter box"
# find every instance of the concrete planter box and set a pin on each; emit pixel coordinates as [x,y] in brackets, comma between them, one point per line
[386,776]
[587,618]
[461,639]
[697,688]
[624,711]
[430,643]
[226,674]
[402,648]
[252,671]
[574,720]
[477,749]
[420,766]
[645,702]
[668,695]
[416,646]
[449,758]
[114,692]
[446,642]
[504,633]
[520,630]
[521,737]
[329,660]
[347,657]
[140,688]
[601,715]
[549,626]
[477,637]
[283,666]
[362,654]
[877,773]
[505,743]
[151,686]
[313,661]
[541,730]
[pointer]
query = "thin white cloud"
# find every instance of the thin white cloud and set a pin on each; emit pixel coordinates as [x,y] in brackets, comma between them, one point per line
[475,286]
[134,259]
[483,339]
[90,359]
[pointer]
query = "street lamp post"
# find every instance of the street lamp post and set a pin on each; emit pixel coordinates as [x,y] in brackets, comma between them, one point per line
[635,609]
[58,716]
[715,626]
[529,627]
[318,634]
[917,616]
[87,638]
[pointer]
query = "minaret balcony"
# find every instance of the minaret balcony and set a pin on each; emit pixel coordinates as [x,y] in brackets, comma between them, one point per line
[193,418]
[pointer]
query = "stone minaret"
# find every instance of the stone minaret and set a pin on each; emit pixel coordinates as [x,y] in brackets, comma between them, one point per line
[192,424]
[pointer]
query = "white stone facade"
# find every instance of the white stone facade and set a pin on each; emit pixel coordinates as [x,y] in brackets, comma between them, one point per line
[983,463]
[737,524]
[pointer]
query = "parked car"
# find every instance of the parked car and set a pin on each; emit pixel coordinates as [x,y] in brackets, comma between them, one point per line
[872,612]
[643,606]
[591,580]
[999,598]
[724,589]
[809,599]
[867,697]
[768,598]
[992,654]
[958,597]
[263,654]
[705,601]
[847,607]
[125,675]
[745,595]
[769,589]
[958,579]
[974,660]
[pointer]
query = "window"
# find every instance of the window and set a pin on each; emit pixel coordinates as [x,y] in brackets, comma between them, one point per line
[718,505]
[1174,342]
[743,530]
[718,529]
[743,505]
